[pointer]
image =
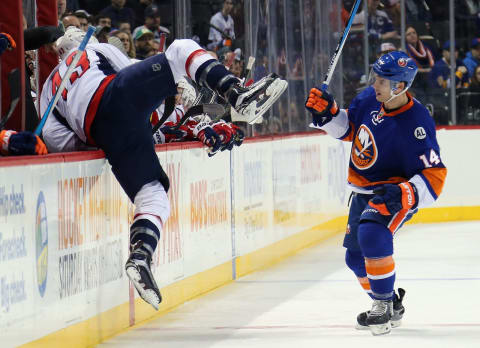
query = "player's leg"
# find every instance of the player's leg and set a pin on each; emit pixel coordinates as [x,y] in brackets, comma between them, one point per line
[186,57]
[142,87]
[376,242]
[353,256]
[152,209]
[125,136]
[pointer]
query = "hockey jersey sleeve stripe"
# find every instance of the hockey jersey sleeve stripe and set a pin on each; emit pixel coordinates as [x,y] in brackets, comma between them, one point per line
[435,179]
[348,136]
[360,181]
[93,107]
[191,58]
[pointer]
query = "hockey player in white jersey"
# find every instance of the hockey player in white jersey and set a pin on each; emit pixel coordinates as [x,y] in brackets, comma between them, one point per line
[107,104]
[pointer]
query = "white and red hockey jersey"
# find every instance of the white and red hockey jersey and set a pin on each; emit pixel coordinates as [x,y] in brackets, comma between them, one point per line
[67,127]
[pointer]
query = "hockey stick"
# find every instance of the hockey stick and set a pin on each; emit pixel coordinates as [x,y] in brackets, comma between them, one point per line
[248,70]
[168,109]
[71,68]
[209,109]
[224,34]
[14,84]
[163,38]
[341,43]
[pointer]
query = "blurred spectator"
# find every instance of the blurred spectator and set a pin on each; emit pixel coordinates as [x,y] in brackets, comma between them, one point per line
[472,58]
[467,14]
[417,13]
[103,20]
[222,31]
[61,8]
[125,26]
[385,48]
[297,71]
[138,7]
[83,17]
[380,25]
[238,62]
[152,23]
[119,13]
[440,74]
[73,5]
[143,40]
[261,69]
[418,51]
[71,20]
[101,33]
[127,41]
[475,81]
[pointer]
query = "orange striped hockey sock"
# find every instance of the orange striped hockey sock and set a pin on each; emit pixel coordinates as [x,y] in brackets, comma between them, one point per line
[381,276]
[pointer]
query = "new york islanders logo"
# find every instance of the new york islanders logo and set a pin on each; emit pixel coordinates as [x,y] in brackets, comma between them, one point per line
[402,62]
[364,150]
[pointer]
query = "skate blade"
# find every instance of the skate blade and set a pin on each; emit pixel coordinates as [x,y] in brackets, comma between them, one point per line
[254,113]
[147,295]
[396,323]
[362,327]
[382,329]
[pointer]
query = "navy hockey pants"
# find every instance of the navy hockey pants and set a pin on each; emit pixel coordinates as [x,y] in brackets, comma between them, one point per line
[122,128]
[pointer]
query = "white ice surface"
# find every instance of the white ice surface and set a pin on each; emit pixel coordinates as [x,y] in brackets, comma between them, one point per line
[312,300]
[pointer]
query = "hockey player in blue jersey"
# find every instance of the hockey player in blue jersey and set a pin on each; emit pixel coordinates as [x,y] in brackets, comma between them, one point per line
[395,168]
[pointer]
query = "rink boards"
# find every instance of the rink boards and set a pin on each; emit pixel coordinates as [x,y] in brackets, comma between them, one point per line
[64,227]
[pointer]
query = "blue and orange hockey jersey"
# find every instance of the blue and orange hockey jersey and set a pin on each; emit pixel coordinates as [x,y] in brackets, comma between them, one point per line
[390,147]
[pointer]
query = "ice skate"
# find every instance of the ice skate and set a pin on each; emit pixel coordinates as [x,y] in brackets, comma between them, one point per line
[398,311]
[253,101]
[378,318]
[138,270]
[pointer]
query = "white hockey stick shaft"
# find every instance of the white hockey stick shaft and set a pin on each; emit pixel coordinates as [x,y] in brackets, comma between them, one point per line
[251,61]
[341,43]
[66,78]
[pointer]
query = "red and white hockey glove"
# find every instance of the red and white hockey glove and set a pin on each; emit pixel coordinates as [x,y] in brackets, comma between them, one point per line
[204,132]
[390,199]
[168,134]
[230,135]
[21,143]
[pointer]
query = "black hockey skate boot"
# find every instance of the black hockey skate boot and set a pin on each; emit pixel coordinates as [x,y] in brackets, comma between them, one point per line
[138,270]
[398,311]
[250,103]
[378,319]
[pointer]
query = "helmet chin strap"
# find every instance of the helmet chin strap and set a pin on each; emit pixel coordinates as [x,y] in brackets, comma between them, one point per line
[393,95]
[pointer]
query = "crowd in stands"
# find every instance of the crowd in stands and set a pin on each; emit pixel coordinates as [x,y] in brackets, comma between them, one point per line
[427,43]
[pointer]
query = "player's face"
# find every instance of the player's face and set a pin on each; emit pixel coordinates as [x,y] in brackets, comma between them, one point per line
[382,88]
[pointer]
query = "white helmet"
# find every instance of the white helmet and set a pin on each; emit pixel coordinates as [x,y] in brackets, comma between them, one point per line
[72,38]
[187,92]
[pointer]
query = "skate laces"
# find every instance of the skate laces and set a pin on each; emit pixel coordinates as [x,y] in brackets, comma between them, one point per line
[379,307]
